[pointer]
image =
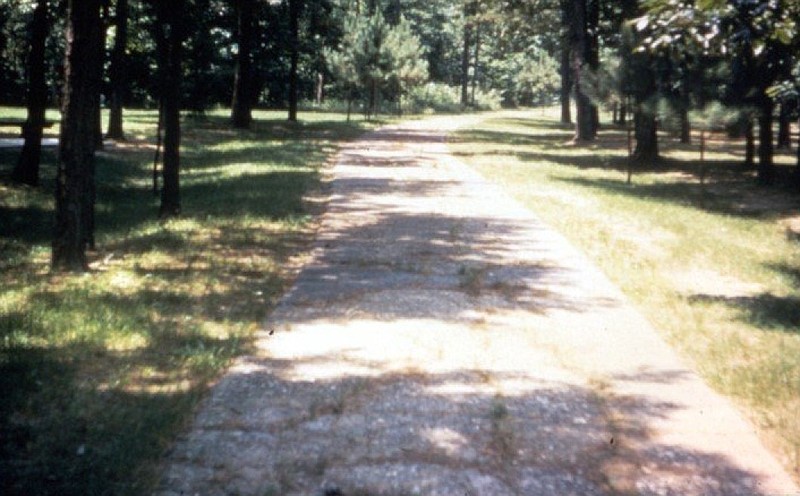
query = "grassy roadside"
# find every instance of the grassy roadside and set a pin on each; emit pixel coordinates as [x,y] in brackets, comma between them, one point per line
[711,266]
[98,372]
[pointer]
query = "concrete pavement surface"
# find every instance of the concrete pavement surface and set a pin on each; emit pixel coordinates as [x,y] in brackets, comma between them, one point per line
[444,341]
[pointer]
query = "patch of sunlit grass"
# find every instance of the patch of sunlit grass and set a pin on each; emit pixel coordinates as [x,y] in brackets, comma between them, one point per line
[709,263]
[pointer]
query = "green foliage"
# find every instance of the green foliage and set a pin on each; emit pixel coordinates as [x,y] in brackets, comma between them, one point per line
[15,18]
[753,36]
[715,115]
[487,99]
[439,26]
[408,43]
[408,65]
[373,54]
[435,97]
[524,78]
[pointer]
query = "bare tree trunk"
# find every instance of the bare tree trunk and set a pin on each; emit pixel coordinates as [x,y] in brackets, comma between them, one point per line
[476,61]
[766,167]
[27,168]
[686,126]
[784,127]
[75,174]
[294,15]
[319,93]
[584,125]
[749,144]
[593,54]
[373,98]
[172,14]
[566,69]
[99,61]
[797,166]
[465,54]
[646,132]
[118,72]
[566,86]
[242,104]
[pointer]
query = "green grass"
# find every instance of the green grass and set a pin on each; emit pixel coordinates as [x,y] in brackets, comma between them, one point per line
[98,372]
[710,265]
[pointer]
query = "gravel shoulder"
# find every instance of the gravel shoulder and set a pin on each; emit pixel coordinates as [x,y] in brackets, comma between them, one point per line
[442,340]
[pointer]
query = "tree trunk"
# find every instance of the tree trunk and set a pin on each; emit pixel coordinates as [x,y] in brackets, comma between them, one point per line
[319,93]
[566,57]
[584,125]
[766,167]
[75,177]
[749,145]
[99,61]
[373,98]
[465,54]
[476,60]
[623,114]
[593,54]
[646,133]
[241,106]
[172,13]
[118,73]
[784,129]
[27,168]
[294,16]
[98,125]
[566,87]
[797,166]
[686,126]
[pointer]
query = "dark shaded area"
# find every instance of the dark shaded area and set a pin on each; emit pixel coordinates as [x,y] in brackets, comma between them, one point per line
[787,270]
[63,433]
[733,198]
[29,224]
[764,310]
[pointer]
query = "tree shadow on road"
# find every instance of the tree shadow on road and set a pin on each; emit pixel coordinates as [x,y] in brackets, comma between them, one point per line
[332,421]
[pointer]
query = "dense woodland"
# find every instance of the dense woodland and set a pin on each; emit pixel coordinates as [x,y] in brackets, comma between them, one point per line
[657,64]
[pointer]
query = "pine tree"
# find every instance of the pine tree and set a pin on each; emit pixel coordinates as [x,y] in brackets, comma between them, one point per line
[408,66]
[27,169]
[241,106]
[75,174]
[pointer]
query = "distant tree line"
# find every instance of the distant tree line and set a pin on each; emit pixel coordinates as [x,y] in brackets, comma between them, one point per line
[655,63]
[81,55]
